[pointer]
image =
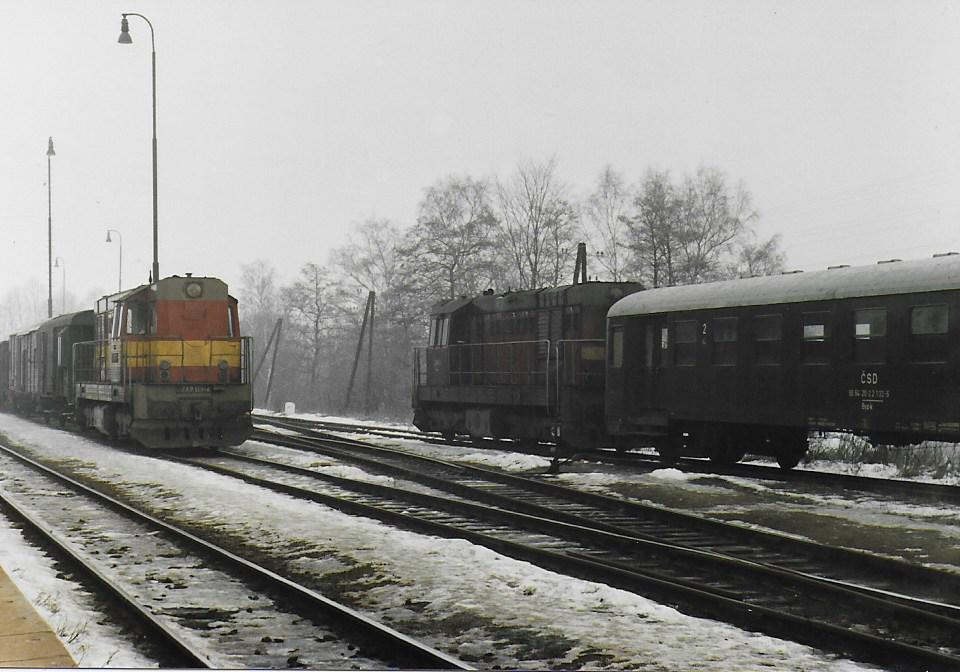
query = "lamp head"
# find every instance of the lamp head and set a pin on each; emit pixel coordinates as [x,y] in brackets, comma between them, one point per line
[108,237]
[125,32]
[50,151]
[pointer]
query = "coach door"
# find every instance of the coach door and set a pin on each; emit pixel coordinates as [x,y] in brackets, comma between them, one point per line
[654,338]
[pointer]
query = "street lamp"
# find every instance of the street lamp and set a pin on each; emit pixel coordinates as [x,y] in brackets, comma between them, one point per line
[50,155]
[61,263]
[119,265]
[126,39]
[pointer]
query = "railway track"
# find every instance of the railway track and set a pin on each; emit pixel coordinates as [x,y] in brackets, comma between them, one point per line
[205,606]
[914,490]
[870,608]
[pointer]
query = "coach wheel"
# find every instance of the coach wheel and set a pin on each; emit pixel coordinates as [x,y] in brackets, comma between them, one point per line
[787,462]
[671,447]
[795,447]
[448,435]
[726,449]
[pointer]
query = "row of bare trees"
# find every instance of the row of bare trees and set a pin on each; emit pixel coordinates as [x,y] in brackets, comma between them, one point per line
[473,234]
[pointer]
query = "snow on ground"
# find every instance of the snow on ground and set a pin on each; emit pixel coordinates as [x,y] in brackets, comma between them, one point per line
[761,504]
[68,610]
[467,599]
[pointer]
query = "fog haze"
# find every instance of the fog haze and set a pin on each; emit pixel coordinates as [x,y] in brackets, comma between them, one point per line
[280,125]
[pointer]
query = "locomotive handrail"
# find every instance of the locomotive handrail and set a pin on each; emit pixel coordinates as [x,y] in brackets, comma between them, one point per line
[484,374]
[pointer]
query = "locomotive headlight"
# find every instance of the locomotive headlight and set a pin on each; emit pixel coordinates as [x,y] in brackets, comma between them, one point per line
[222,373]
[164,370]
[164,365]
[194,290]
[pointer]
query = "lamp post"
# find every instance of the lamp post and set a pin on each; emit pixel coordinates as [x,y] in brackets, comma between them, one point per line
[61,263]
[126,39]
[120,264]
[50,155]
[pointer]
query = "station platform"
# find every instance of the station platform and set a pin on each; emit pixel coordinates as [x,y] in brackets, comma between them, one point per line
[25,638]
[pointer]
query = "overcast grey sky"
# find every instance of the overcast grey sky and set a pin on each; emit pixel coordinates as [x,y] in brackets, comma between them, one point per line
[280,124]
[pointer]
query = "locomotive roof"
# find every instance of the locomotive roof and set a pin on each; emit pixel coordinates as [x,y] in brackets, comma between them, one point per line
[894,277]
[525,299]
[167,288]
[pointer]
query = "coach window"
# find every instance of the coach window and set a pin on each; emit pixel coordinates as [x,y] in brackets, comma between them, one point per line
[685,343]
[928,333]
[768,333]
[870,336]
[724,331]
[816,338]
[616,347]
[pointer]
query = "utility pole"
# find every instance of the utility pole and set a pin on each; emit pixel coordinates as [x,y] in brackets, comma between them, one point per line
[367,315]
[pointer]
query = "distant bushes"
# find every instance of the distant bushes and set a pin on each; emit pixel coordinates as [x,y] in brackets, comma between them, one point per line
[930,459]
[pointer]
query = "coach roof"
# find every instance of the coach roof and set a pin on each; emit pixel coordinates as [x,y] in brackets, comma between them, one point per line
[894,277]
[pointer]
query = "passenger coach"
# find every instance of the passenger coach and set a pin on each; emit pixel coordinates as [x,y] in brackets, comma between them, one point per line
[750,366]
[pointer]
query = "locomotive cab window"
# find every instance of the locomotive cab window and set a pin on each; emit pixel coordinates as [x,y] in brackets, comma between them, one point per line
[724,330]
[138,317]
[870,336]
[117,320]
[768,334]
[439,331]
[685,343]
[816,338]
[928,333]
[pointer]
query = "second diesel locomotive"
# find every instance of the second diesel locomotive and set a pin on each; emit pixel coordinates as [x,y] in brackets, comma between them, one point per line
[526,365]
[163,364]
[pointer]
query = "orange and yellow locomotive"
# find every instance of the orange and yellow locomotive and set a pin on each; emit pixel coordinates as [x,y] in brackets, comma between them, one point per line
[166,367]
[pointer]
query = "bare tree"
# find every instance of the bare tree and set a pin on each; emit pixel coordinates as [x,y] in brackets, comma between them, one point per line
[697,232]
[714,217]
[22,306]
[451,244]
[373,261]
[310,303]
[604,222]
[655,230]
[259,310]
[763,258]
[536,226]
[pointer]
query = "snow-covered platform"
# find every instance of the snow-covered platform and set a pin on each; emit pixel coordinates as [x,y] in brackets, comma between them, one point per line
[25,639]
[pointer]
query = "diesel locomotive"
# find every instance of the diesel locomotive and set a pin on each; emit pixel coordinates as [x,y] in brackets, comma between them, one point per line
[525,365]
[163,364]
[714,370]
